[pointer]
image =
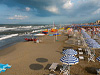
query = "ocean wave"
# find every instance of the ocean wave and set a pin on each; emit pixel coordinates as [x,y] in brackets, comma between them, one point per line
[8,36]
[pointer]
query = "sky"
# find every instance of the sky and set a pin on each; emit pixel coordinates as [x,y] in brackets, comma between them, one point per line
[47,11]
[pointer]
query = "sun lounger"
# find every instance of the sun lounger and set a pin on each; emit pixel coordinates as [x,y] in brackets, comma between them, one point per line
[80,52]
[64,68]
[53,66]
[65,73]
[80,49]
[98,71]
[52,74]
[79,41]
[81,57]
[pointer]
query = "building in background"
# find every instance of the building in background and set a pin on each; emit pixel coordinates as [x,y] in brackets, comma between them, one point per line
[98,22]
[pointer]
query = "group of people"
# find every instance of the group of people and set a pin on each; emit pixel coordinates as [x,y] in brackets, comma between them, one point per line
[34,39]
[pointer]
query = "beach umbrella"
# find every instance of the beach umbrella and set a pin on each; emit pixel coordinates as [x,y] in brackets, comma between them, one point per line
[69,59]
[69,52]
[98,58]
[3,67]
[92,43]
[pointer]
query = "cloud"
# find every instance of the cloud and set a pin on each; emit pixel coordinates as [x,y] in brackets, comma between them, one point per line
[52,9]
[97,11]
[18,17]
[66,11]
[27,9]
[67,5]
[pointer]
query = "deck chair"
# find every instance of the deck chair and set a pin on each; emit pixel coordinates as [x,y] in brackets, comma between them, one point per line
[80,49]
[98,71]
[79,41]
[81,57]
[80,52]
[64,68]
[92,58]
[66,73]
[53,67]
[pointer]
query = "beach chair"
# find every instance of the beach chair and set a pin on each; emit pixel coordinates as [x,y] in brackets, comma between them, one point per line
[79,41]
[81,57]
[98,71]
[80,49]
[92,58]
[66,73]
[80,52]
[64,68]
[53,67]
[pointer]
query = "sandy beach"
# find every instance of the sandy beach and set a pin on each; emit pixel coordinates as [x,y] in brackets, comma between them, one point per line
[29,58]
[25,55]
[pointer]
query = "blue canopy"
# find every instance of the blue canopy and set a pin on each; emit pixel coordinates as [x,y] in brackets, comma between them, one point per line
[85,35]
[69,52]
[92,43]
[69,59]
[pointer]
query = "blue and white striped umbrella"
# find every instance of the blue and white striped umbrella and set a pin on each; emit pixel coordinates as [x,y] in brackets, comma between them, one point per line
[98,58]
[69,52]
[69,59]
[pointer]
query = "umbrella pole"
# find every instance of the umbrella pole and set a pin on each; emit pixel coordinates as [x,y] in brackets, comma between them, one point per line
[69,69]
[42,38]
[54,38]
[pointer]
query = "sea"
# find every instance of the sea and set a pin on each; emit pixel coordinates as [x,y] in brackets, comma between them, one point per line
[11,34]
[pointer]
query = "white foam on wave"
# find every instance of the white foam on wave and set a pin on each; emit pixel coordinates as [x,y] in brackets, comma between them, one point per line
[6,29]
[8,36]
[37,30]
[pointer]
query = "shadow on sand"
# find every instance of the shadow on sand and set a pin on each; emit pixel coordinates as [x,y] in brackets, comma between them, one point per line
[41,60]
[59,52]
[36,66]
[91,70]
[47,67]
[57,69]
[68,47]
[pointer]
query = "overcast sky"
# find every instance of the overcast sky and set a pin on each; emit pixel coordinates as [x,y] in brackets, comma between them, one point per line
[47,11]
